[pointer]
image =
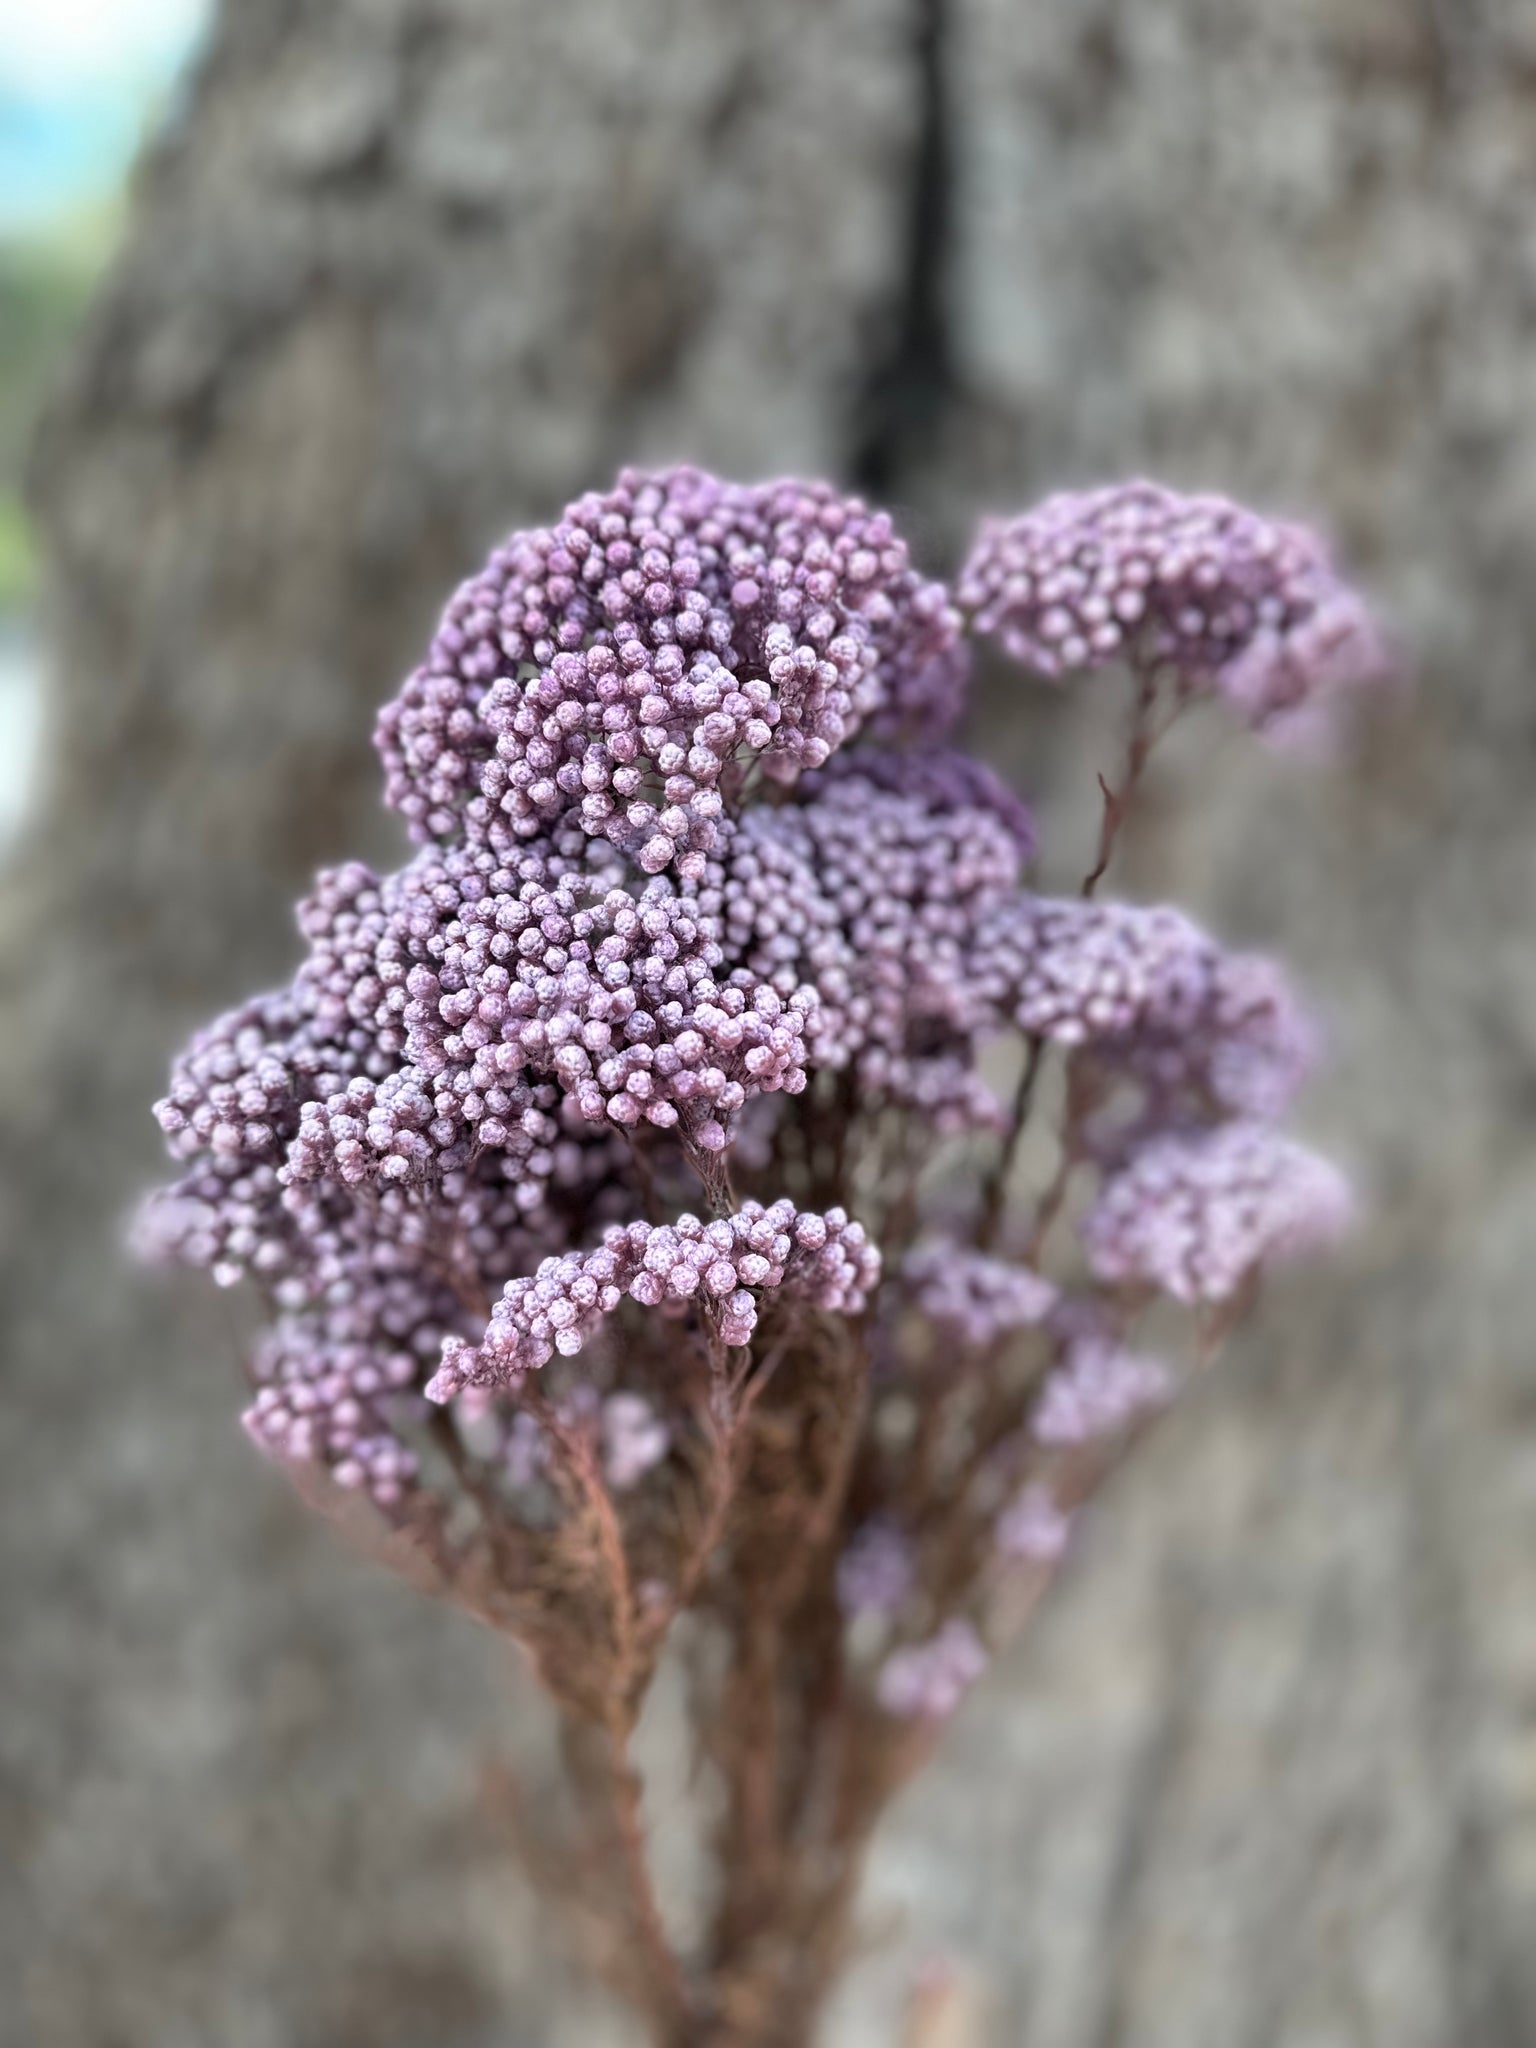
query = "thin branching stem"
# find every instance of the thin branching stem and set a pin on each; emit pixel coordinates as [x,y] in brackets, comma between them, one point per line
[1142,736]
[995,1191]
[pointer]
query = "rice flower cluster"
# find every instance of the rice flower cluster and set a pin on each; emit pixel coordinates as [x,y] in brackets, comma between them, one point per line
[703,887]
[826,1261]
[1233,604]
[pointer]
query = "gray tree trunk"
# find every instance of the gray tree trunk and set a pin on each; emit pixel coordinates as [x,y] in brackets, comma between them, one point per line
[407,272]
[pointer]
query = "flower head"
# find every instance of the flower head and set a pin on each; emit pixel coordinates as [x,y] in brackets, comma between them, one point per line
[1195,1214]
[1032,1528]
[1234,604]
[824,1261]
[1151,999]
[876,1571]
[974,1298]
[614,668]
[1099,1389]
[929,1680]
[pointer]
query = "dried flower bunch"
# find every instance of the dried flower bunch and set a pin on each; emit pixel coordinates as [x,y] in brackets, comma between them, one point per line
[643,1239]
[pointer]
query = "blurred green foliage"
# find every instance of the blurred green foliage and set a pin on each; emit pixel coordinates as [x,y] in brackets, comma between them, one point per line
[46,278]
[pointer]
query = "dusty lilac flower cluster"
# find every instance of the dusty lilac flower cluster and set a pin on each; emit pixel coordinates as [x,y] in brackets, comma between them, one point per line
[1032,1527]
[709,1173]
[503,983]
[825,1260]
[1098,1388]
[874,1573]
[929,1680]
[1154,999]
[622,666]
[1230,603]
[1193,1215]
[972,1298]
[872,892]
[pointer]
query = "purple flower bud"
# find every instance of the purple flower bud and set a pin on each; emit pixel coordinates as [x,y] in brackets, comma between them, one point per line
[1032,1528]
[635,1439]
[1098,1390]
[975,1299]
[929,1680]
[875,1572]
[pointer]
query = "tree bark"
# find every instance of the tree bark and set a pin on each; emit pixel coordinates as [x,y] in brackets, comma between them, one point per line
[404,274]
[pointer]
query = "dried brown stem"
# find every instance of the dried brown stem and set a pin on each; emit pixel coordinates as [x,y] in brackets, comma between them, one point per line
[577,1453]
[718,1492]
[1117,801]
[995,1192]
[714,1172]
[610,1790]
[1069,1158]
[645,1176]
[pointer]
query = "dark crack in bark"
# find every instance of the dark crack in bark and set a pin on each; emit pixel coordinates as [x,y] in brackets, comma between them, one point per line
[897,414]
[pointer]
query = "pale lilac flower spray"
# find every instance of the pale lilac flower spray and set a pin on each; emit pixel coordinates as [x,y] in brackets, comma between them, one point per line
[640,1239]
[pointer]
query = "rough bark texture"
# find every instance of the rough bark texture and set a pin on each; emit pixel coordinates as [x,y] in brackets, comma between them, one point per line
[409,272]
